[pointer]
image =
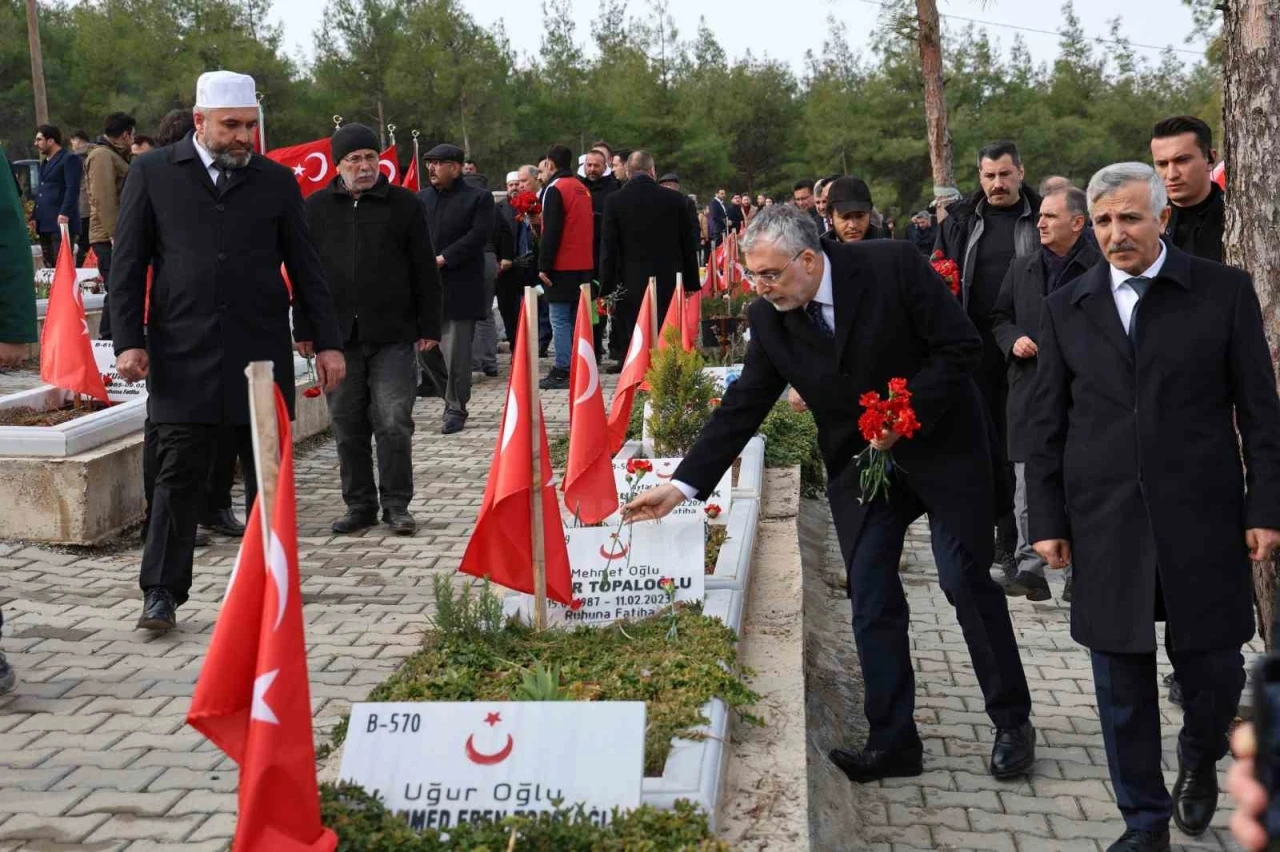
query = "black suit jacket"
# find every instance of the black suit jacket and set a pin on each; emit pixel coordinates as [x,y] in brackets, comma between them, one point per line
[460,221]
[718,222]
[217,301]
[1135,458]
[894,318]
[649,231]
[1016,314]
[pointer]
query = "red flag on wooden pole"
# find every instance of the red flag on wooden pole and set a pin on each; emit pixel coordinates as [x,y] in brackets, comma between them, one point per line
[589,490]
[634,368]
[66,350]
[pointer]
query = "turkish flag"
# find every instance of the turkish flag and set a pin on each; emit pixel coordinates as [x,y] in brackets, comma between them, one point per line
[673,318]
[692,329]
[253,698]
[66,350]
[501,547]
[389,165]
[634,367]
[90,260]
[312,164]
[589,491]
[412,181]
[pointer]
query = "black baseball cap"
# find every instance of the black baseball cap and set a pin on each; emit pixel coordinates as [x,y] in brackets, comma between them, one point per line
[849,195]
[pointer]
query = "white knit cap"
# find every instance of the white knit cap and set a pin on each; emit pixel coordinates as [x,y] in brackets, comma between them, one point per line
[513,176]
[225,90]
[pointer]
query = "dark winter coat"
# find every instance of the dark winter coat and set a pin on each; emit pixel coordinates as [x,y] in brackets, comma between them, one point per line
[649,231]
[460,219]
[1206,240]
[1135,457]
[59,192]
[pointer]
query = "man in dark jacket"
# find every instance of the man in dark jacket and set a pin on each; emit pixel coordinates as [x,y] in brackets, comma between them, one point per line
[1182,150]
[80,146]
[922,232]
[565,256]
[460,218]
[601,186]
[849,206]
[58,197]
[837,320]
[649,232]
[983,236]
[216,221]
[1065,254]
[1155,472]
[718,220]
[377,253]
[498,253]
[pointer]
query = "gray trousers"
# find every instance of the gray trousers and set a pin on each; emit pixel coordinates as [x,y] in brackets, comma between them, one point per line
[1026,556]
[484,350]
[448,366]
[375,400]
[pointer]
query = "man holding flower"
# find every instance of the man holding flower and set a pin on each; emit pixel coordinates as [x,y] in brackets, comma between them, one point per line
[839,321]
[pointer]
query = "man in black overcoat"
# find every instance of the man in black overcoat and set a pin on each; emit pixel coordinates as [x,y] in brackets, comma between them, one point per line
[215,221]
[838,320]
[649,231]
[1137,477]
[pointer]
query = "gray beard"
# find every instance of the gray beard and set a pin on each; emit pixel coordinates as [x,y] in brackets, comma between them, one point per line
[231,162]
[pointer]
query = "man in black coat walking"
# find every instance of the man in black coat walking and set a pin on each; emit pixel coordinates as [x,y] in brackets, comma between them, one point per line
[460,218]
[1137,477]
[649,231]
[1066,253]
[1182,150]
[375,248]
[837,320]
[216,221]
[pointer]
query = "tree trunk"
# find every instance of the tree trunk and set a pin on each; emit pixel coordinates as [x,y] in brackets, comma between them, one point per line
[37,63]
[382,125]
[935,102]
[1251,119]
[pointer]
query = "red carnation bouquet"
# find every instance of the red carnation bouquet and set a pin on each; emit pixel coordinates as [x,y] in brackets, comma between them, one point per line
[894,414]
[526,203]
[947,268]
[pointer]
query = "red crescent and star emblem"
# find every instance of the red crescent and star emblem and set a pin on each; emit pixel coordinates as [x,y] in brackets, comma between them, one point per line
[612,555]
[482,759]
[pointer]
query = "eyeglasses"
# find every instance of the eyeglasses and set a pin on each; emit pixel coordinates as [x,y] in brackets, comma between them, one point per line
[770,278]
[359,159]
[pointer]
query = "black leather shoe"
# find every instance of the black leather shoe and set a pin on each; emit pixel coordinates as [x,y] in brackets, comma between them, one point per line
[613,368]
[8,680]
[1066,593]
[223,521]
[159,612]
[201,539]
[1195,797]
[1014,752]
[491,372]
[453,423]
[557,379]
[865,765]
[400,521]
[1029,586]
[427,389]
[1175,689]
[354,521]
[1141,841]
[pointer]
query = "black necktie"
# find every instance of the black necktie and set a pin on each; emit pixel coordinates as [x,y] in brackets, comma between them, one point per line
[814,310]
[224,178]
[1139,286]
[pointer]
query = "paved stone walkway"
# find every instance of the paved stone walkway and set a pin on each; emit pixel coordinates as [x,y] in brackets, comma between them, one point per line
[94,752]
[1068,804]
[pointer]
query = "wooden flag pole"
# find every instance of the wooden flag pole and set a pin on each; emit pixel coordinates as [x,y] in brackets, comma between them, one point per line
[266,441]
[262,126]
[653,312]
[679,297]
[535,502]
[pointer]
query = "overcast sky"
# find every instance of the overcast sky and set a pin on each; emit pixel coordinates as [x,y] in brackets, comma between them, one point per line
[738,24]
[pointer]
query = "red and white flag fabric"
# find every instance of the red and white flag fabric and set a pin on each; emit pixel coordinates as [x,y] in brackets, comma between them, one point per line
[312,164]
[412,181]
[66,349]
[634,368]
[389,165]
[253,698]
[692,328]
[589,490]
[501,547]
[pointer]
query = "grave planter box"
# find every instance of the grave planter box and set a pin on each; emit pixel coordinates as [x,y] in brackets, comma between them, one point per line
[695,769]
[733,565]
[76,483]
[92,316]
[311,413]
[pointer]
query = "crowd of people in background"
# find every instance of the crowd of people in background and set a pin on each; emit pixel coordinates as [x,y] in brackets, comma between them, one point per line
[399,297]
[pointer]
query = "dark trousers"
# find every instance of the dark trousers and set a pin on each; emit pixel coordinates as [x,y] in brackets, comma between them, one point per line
[375,400]
[881,618]
[218,481]
[625,312]
[82,242]
[50,244]
[544,327]
[1129,710]
[103,252]
[448,366]
[182,458]
[510,292]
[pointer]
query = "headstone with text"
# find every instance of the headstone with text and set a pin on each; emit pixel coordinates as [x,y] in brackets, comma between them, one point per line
[615,572]
[663,470]
[441,764]
[118,390]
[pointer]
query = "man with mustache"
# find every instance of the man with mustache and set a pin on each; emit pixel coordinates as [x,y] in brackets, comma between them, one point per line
[1138,479]
[216,221]
[983,235]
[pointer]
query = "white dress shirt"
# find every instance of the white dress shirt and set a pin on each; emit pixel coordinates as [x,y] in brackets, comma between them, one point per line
[207,159]
[825,297]
[1122,291]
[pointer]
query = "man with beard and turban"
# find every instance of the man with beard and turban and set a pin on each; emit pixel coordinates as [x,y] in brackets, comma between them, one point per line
[216,221]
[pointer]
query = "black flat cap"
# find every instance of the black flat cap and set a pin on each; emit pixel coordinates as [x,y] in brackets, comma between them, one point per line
[669,177]
[849,195]
[445,153]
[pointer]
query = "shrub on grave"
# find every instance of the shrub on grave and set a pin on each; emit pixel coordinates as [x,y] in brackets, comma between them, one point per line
[791,438]
[681,394]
